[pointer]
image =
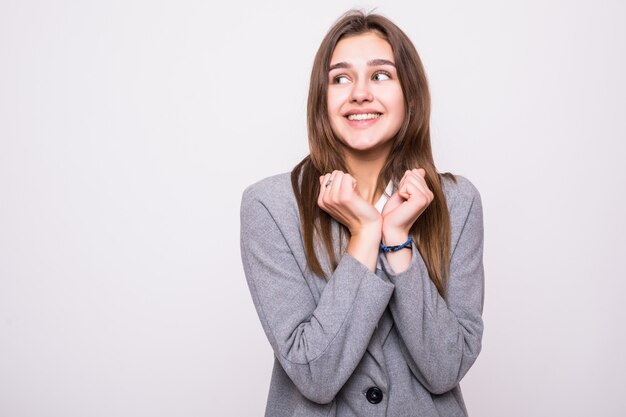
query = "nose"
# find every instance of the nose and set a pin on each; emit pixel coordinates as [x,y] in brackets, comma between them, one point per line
[361,93]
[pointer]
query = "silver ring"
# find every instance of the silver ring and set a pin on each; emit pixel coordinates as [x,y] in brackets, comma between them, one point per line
[329,181]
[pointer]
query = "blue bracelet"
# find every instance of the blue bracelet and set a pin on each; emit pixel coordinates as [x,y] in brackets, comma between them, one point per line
[387,249]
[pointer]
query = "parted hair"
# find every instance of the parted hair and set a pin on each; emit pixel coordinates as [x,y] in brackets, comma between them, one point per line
[411,148]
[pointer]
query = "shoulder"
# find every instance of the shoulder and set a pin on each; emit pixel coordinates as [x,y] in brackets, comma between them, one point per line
[462,197]
[458,188]
[270,187]
[269,207]
[273,194]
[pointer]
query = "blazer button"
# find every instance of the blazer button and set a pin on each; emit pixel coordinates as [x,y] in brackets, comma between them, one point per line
[374,395]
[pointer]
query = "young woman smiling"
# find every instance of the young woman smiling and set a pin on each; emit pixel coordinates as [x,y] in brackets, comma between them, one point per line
[365,263]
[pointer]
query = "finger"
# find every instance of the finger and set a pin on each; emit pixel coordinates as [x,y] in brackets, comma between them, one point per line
[420,175]
[414,195]
[395,200]
[422,192]
[353,181]
[419,171]
[323,189]
[404,192]
[328,188]
[413,186]
[406,174]
[320,199]
[346,187]
[328,179]
[335,191]
[417,180]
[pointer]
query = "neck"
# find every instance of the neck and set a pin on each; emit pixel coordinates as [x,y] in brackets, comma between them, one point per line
[365,168]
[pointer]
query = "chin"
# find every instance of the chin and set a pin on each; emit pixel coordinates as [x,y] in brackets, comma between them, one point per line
[365,146]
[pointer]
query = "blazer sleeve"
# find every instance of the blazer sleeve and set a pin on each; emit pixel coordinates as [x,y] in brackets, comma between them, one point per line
[442,338]
[318,344]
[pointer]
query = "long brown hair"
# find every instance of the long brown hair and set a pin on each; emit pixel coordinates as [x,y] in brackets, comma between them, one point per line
[411,149]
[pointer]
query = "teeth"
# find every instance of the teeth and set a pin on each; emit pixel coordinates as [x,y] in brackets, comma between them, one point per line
[364,116]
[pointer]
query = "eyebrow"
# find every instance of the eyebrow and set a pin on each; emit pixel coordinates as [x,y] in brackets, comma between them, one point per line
[371,63]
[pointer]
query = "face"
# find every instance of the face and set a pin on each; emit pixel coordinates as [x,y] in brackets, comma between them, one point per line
[365,100]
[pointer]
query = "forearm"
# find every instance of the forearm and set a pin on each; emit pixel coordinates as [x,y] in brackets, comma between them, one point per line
[318,345]
[443,336]
[442,341]
[318,341]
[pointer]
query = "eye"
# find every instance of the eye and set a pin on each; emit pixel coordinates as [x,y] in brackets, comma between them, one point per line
[340,79]
[381,76]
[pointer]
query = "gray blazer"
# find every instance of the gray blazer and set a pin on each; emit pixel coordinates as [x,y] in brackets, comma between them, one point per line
[362,343]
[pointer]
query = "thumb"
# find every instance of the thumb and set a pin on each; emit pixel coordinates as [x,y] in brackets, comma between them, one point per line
[396,198]
[394,201]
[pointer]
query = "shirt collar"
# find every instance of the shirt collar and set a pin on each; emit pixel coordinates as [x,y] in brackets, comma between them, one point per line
[383,198]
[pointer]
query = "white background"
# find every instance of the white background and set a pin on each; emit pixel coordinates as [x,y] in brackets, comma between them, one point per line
[129,129]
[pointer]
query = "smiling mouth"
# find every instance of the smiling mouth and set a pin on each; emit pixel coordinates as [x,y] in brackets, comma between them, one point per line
[364,116]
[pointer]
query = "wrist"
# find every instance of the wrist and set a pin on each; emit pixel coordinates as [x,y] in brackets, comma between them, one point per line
[364,245]
[394,237]
[370,232]
[396,248]
[395,245]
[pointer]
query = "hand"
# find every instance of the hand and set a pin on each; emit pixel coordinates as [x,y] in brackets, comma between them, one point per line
[405,206]
[339,198]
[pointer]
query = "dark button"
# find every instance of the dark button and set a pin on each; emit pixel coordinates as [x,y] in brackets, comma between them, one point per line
[374,395]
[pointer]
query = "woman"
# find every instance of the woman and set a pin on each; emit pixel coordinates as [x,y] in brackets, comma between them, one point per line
[365,264]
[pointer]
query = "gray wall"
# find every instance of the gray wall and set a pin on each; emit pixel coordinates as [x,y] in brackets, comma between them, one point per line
[129,129]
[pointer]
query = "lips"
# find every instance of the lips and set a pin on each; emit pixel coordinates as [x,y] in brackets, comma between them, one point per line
[363,116]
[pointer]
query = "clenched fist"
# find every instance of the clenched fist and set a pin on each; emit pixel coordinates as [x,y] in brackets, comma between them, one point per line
[405,206]
[339,198]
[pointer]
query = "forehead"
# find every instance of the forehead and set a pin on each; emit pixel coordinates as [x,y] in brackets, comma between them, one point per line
[361,48]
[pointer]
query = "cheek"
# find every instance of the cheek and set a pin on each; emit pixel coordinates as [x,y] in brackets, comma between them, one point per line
[391,97]
[395,104]
[331,109]
[333,101]
[398,100]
